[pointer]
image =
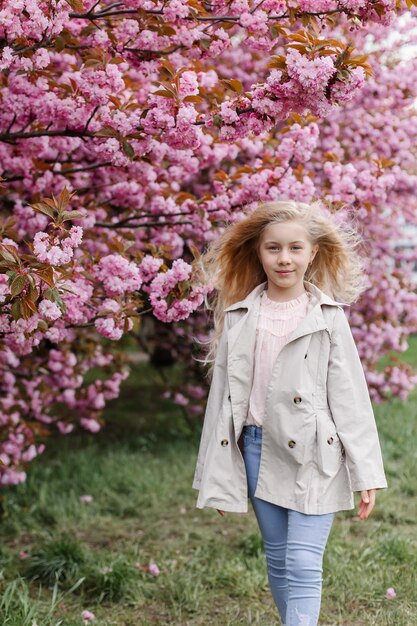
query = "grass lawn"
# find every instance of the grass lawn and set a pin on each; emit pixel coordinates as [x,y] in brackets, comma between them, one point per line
[60,555]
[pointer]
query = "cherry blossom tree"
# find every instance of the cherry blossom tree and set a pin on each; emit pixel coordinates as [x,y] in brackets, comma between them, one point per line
[132,131]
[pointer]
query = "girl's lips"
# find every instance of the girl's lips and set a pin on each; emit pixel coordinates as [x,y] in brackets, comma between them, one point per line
[284,271]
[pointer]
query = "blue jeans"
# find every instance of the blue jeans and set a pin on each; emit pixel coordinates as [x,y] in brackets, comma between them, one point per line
[294,545]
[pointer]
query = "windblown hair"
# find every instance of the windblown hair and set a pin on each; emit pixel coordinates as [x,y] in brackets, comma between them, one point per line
[232,266]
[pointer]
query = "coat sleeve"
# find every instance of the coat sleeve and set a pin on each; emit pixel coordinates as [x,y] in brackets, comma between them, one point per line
[214,402]
[351,409]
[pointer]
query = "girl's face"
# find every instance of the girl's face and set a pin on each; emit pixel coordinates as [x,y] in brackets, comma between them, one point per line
[285,251]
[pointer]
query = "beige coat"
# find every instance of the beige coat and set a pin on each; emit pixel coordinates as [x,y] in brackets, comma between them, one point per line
[319,441]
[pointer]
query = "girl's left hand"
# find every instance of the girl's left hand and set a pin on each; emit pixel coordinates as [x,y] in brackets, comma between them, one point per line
[367,503]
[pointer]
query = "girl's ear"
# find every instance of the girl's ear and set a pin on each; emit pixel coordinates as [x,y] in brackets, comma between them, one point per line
[314,251]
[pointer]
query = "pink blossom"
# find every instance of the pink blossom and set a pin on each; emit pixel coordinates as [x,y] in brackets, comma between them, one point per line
[391,593]
[180,399]
[149,267]
[188,84]
[86,498]
[49,310]
[90,424]
[57,251]
[107,327]
[88,617]
[175,9]
[24,555]
[255,22]
[119,276]
[64,428]
[153,569]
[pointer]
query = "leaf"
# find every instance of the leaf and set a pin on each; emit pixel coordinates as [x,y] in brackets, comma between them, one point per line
[27,309]
[27,301]
[301,38]
[51,202]
[41,165]
[278,62]
[59,43]
[165,29]
[193,99]
[42,207]
[106,131]
[33,292]
[64,199]
[69,289]
[17,285]
[298,46]
[296,117]
[163,92]
[77,5]
[116,60]
[128,150]
[204,43]
[7,256]
[87,30]
[47,275]
[233,84]
[52,294]
[136,135]
[221,175]
[92,63]
[217,120]
[167,65]
[71,215]
[43,326]
[182,196]
[15,310]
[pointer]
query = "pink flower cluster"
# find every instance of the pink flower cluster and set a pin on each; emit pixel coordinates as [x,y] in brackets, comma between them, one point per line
[54,250]
[118,275]
[112,324]
[17,448]
[165,283]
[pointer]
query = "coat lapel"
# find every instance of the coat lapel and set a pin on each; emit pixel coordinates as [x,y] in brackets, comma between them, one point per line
[313,322]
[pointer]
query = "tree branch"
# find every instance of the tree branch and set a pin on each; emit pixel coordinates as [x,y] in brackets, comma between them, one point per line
[146,225]
[224,18]
[45,133]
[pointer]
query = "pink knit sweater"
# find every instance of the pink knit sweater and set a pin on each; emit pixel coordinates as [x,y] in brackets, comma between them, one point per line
[276,322]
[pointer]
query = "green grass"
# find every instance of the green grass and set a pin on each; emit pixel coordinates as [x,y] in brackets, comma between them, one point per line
[138,470]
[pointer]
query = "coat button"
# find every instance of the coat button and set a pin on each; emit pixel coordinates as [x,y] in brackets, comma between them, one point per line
[291,443]
[228,397]
[330,441]
[297,399]
[224,443]
[305,356]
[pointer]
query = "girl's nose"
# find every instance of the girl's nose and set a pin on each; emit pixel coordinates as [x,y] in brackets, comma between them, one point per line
[284,257]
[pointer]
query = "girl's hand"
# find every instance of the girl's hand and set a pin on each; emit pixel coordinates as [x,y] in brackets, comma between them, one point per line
[367,503]
[220,512]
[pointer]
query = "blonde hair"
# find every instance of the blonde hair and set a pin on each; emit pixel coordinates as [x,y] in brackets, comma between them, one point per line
[232,266]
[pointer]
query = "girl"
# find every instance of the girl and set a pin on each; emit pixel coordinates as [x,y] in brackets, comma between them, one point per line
[288,419]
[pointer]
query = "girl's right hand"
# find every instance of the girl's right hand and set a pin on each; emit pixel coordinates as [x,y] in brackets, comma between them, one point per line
[220,512]
[367,503]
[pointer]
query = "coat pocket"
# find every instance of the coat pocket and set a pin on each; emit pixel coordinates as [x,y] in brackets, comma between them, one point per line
[330,453]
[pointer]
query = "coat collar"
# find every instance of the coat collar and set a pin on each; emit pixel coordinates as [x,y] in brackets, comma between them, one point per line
[252,297]
[313,322]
